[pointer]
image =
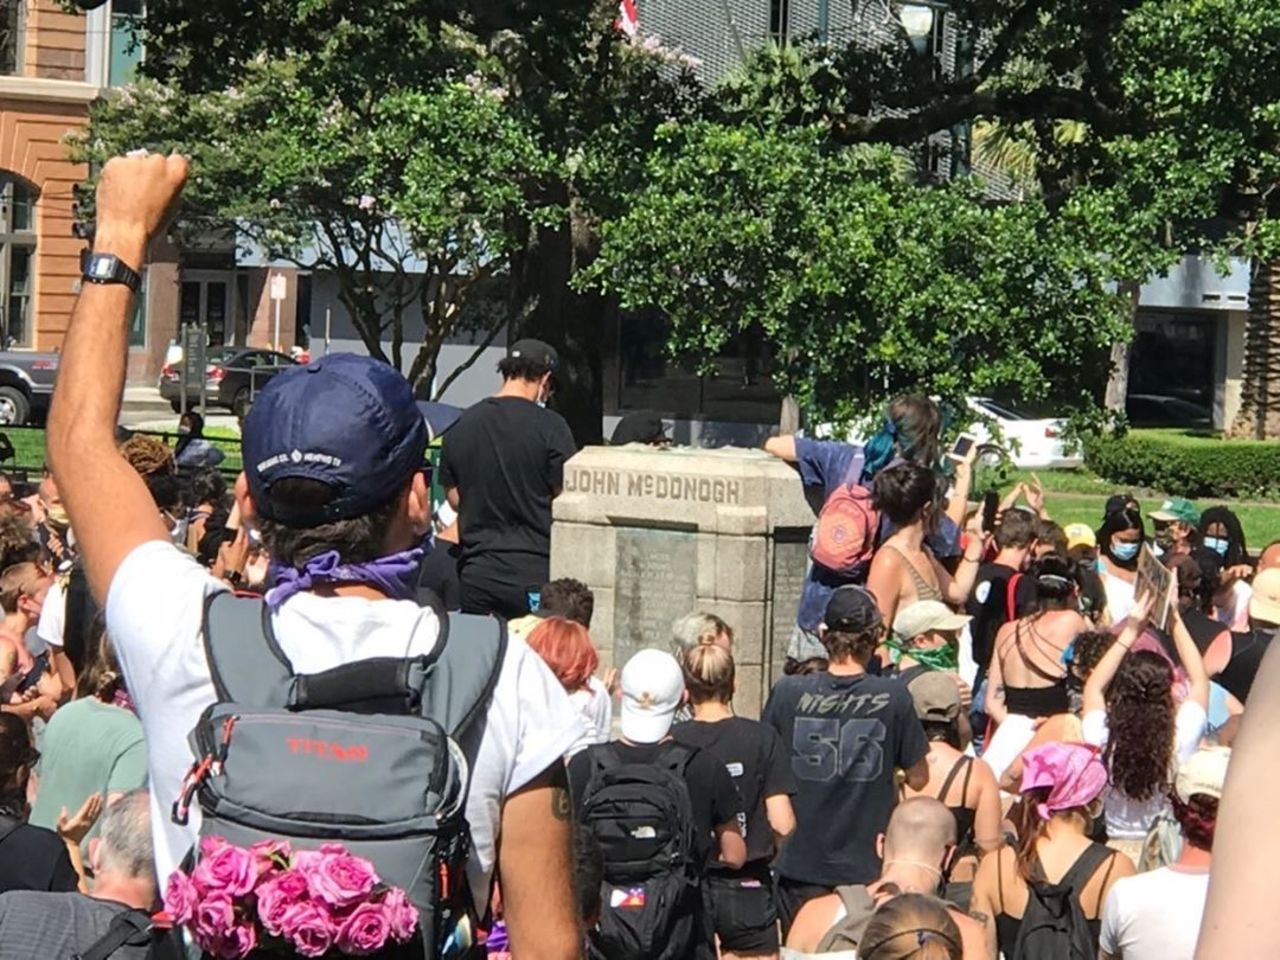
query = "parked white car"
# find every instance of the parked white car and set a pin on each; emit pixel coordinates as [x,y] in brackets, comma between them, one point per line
[1003,433]
[1028,443]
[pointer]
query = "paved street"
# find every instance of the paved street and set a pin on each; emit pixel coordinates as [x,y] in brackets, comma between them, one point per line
[143,409]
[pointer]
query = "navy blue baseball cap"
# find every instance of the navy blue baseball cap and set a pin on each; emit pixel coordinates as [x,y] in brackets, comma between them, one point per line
[347,421]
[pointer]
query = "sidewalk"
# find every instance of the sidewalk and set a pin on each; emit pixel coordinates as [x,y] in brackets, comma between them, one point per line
[143,408]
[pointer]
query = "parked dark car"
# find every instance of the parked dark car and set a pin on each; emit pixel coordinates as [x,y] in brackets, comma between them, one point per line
[26,385]
[1157,410]
[233,376]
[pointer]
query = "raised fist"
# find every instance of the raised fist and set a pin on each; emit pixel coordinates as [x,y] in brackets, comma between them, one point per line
[138,193]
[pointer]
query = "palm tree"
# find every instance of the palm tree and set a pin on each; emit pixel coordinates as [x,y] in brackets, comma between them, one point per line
[1259,416]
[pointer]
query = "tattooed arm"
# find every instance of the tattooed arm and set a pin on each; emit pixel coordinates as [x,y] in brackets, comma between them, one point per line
[536,868]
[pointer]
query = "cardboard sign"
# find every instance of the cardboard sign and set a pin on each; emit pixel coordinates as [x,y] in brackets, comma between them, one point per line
[1154,577]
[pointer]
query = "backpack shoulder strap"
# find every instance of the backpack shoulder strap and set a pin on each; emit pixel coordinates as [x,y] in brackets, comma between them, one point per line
[845,933]
[678,757]
[245,661]
[131,927]
[460,682]
[951,778]
[7,826]
[1086,866]
[1011,597]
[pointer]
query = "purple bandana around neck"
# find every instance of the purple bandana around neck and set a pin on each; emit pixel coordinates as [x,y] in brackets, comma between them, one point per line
[396,575]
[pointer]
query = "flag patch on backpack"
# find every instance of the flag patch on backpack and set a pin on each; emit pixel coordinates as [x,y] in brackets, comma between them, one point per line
[634,897]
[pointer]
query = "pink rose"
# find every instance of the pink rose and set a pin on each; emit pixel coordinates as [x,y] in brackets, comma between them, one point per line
[180,897]
[211,845]
[365,931]
[241,942]
[272,856]
[231,869]
[340,879]
[402,914]
[308,927]
[213,919]
[238,942]
[276,896]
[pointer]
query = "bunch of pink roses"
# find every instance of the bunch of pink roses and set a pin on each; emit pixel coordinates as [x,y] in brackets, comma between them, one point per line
[273,899]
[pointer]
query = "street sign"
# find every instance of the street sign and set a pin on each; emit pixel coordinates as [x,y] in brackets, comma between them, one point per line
[279,286]
[193,360]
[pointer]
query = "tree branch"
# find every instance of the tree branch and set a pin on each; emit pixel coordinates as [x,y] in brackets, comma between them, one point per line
[475,355]
[1059,103]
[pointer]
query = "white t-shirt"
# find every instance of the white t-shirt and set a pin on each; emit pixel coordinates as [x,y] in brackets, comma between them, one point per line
[595,709]
[1236,614]
[53,617]
[1155,915]
[1129,819]
[1120,595]
[155,612]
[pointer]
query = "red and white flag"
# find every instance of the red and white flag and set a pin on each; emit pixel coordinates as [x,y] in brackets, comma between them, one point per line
[628,21]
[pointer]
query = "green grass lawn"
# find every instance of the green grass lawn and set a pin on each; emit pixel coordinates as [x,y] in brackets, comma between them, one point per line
[28,447]
[1078,496]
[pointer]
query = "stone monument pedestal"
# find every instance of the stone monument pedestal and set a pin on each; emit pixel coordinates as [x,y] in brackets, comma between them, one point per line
[659,533]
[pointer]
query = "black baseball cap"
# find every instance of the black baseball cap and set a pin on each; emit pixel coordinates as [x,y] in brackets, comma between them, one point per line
[1117,502]
[347,421]
[852,608]
[639,427]
[540,353]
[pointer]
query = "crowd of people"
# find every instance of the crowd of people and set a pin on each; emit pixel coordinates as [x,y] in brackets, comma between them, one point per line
[993,736]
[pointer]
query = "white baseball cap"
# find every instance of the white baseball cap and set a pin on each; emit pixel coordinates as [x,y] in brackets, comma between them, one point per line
[1205,771]
[652,688]
[926,616]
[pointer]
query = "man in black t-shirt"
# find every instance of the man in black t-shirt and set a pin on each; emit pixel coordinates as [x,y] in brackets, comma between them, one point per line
[847,732]
[502,465]
[652,688]
[989,603]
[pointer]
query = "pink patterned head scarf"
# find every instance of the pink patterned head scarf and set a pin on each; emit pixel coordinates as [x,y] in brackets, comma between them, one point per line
[1072,770]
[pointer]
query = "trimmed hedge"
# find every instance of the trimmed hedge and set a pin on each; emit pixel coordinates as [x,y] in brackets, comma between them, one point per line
[1186,465]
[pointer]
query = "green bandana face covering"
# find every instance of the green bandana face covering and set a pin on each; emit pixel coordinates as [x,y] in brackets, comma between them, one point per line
[946,657]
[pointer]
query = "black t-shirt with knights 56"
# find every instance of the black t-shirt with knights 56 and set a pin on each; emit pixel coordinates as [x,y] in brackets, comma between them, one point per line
[845,736]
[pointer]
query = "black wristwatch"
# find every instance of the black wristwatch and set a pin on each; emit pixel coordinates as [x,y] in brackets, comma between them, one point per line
[108,268]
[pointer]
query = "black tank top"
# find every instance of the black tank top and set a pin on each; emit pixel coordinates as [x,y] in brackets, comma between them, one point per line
[1247,650]
[1202,627]
[964,817]
[1007,927]
[1035,701]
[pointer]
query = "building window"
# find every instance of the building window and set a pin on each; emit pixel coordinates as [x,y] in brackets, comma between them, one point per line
[17,260]
[138,322]
[780,20]
[126,49]
[739,389]
[11,36]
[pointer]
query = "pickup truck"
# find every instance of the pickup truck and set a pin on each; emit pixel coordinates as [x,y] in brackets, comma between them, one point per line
[26,385]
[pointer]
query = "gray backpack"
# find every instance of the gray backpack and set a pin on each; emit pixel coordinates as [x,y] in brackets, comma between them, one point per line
[374,754]
[846,934]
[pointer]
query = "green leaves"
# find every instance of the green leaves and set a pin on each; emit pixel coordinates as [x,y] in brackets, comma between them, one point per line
[865,283]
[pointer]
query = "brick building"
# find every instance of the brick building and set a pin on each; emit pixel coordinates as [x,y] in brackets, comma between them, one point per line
[53,65]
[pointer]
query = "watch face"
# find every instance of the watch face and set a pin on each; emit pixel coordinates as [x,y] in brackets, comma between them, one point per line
[102,267]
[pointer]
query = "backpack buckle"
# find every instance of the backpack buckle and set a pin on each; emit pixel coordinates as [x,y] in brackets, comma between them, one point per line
[198,773]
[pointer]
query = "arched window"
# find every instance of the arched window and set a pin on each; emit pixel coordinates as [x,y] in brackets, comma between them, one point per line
[17,260]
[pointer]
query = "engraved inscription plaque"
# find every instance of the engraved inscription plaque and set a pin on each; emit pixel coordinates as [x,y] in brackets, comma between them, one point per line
[790,563]
[656,580]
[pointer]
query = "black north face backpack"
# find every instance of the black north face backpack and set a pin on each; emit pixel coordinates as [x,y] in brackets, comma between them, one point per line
[642,817]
